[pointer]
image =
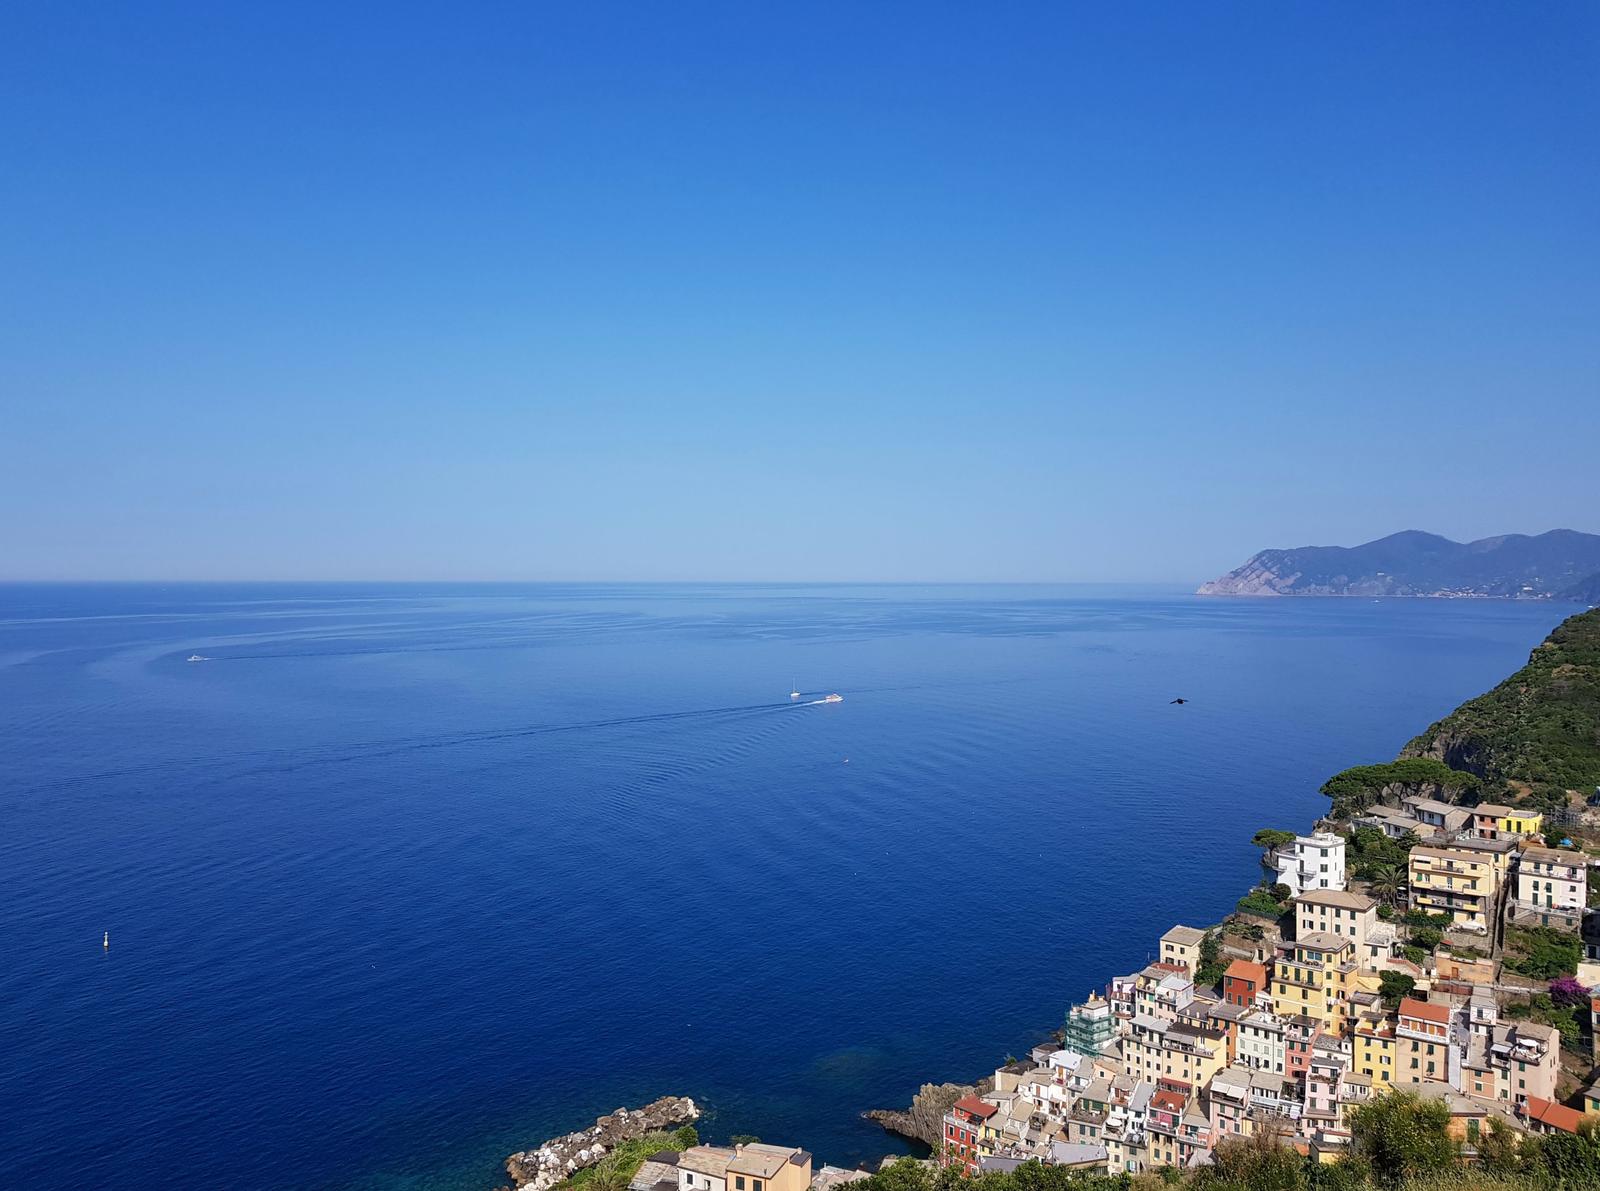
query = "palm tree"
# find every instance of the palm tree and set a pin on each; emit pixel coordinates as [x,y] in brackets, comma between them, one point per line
[1387,881]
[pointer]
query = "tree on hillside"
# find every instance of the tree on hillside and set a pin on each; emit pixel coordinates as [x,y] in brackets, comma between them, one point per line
[1355,789]
[1393,986]
[1271,837]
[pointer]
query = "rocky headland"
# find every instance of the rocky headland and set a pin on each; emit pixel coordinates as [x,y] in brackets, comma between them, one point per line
[559,1158]
[1561,564]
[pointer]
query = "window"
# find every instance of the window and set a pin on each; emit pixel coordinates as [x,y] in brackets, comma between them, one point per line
[738,1182]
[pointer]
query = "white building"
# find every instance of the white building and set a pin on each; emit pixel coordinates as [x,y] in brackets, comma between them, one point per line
[1261,1041]
[1312,862]
[1552,884]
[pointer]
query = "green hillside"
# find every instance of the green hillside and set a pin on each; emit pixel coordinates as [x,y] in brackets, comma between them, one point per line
[1540,727]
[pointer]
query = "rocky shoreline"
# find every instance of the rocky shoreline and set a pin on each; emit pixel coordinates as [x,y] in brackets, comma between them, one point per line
[559,1158]
[924,1119]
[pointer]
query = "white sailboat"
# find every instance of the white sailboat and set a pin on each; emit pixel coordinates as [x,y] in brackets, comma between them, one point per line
[795,694]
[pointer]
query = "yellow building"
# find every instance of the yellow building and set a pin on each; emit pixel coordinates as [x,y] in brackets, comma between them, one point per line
[1313,976]
[1453,881]
[1374,1047]
[1491,819]
[1157,1050]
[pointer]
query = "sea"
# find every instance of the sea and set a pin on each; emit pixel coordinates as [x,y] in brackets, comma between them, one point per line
[400,879]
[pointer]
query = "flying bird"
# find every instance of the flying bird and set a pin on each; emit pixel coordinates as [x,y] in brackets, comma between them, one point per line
[1180,700]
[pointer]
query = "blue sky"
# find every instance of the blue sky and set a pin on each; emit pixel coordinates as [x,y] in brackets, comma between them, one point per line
[810,291]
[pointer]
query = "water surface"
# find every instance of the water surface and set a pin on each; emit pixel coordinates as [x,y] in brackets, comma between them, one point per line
[406,877]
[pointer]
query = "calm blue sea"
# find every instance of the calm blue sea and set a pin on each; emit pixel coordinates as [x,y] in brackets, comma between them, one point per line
[407,877]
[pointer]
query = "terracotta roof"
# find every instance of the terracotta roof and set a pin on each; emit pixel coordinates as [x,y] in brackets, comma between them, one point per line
[973,1106]
[1557,1116]
[1410,1007]
[1243,969]
[1167,1101]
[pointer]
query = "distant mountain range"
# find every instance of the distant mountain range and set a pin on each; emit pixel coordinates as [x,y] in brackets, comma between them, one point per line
[1562,564]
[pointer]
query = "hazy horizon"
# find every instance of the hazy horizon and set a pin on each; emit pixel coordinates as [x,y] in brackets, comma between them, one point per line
[826,292]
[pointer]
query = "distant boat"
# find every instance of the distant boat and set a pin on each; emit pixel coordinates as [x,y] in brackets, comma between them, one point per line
[795,694]
[833,698]
[194,657]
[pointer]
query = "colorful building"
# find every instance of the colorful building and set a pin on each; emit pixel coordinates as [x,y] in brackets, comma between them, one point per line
[1312,976]
[1454,882]
[963,1128]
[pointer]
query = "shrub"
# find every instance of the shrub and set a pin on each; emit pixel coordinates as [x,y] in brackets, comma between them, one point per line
[1259,901]
[1403,1136]
[1542,952]
[1566,990]
[1426,937]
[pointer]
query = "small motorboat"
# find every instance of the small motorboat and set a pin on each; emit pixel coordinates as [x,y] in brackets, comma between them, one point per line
[833,698]
[194,657]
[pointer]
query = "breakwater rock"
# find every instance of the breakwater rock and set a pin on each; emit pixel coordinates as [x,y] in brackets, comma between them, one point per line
[924,1120]
[557,1159]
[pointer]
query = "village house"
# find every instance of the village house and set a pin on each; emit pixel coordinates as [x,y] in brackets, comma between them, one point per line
[1423,1032]
[702,1167]
[1166,1118]
[1391,822]
[1454,882]
[1490,820]
[1545,1116]
[1552,887]
[1299,1032]
[752,1167]
[1500,853]
[1244,983]
[1261,1041]
[1228,1102]
[1086,1121]
[1469,1118]
[1330,1060]
[1441,817]
[1225,1018]
[1312,976]
[1156,1049]
[1181,946]
[1090,1026]
[1121,993]
[1352,915]
[963,1126]
[1078,1157]
[1335,912]
[1375,1045]
[1162,990]
[1527,1061]
[1194,1136]
[1313,861]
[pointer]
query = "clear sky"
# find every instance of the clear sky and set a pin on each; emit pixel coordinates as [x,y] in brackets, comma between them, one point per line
[807,291]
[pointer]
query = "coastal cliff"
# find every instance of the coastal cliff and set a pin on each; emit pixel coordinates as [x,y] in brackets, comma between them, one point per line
[1560,564]
[559,1158]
